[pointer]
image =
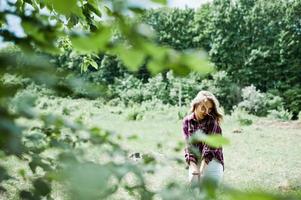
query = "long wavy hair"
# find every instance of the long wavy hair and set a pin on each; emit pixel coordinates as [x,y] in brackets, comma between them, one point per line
[203,95]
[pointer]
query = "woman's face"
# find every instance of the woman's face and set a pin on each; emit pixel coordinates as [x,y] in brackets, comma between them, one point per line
[204,108]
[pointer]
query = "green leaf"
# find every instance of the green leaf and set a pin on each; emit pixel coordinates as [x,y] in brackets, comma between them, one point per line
[92,6]
[133,137]
[109,12]
[132,58]
[148,159]
[88,180]
[216,141]
[198,62]
[92,43]
[26,195]
[155,67]
[38,162]
[32,29]
[213,140]
[164,2]
[93,64]
[3,174]
[41,187]
[156,52]
[65,7]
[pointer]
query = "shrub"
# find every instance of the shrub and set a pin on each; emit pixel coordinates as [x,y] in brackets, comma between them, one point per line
[127,89]
[242,116]
[154,104]
[253,101]
[66,111]
[157,87]
[175,90]
[292,98]
[182,112]
[281,114]
[255,45]
[258,103]
[134,114]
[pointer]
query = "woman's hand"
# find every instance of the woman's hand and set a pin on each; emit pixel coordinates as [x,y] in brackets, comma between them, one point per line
[194,173]
[203,166]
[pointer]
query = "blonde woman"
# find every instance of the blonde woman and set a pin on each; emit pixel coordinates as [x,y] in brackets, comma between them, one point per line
[203,160]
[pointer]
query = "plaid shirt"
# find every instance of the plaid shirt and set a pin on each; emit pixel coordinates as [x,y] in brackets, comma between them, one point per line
[208,125]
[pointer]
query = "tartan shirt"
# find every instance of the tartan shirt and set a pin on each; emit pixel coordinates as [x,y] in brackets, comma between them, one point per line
[208,125]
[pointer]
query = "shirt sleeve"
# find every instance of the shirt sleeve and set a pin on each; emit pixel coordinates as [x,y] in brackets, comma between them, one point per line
[188,154]
[208,153]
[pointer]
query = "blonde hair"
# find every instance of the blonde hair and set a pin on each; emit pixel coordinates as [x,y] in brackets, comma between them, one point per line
[201,97]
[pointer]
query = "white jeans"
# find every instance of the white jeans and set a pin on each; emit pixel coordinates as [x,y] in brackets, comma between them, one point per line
[214,172]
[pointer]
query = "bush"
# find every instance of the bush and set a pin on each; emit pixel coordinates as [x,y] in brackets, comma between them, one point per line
[281,114]
[292,99]
[253,101]
[66,111]
[182,112]
[155,104]
[227,30]
[255,45]
[242,116]
[158,87]
[258,103]
[175,90]
[134,114]
[127,89]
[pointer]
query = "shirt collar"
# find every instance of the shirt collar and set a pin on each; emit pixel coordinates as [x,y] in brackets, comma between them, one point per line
[192,117]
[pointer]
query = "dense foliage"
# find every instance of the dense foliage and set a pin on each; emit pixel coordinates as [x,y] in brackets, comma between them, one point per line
[259,46]
[246,39]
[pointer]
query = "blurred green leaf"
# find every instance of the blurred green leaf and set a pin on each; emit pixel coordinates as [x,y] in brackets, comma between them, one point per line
[133,137]
[92,43]
[88,180]
[132,58]
[148,159]
[33,30]
[8,90]
[65,7]
[3,174]
[92,5]
[257,195]
[198,62]
[213,140]
[10,137]
[37,161]
[164,2]
[109,12]
[154,67]
[158,53]
[42,188]
[93,64]
[23,194]
[216,141]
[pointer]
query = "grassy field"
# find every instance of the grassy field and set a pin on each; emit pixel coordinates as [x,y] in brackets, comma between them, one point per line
[264,155]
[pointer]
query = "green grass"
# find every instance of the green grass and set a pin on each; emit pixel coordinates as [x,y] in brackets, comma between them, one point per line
[265,155]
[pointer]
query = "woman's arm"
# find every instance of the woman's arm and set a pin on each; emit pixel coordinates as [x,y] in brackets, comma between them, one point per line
[208,153]
[188,155]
